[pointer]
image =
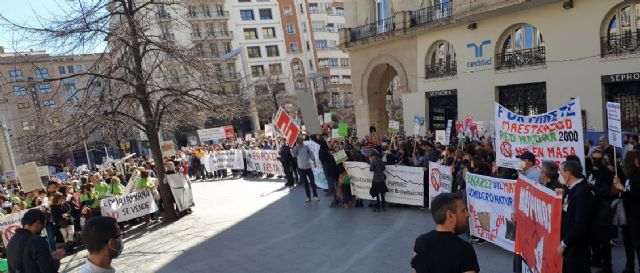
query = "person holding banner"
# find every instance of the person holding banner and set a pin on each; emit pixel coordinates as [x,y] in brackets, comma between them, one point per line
[304,157]
[576,220]
[528,166]
[549,176]
[378,183]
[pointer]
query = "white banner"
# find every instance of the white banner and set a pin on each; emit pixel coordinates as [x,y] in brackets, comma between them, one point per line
[264,161]
[614,125]
[9,224]
[318,172]
[181,189]
[550,136]
[447,136]
[440,180]
[404,183]
[491,208]
[441,136]
[211,134]
[129,206]
[223,160]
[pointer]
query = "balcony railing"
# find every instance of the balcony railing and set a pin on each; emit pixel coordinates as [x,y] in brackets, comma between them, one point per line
[196,36]
[219,14]
[431,14]
[521,58]
[440,70]
[373,29]
[622,44]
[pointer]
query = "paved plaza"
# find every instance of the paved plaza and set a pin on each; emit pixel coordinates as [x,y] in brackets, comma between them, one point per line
[243,226]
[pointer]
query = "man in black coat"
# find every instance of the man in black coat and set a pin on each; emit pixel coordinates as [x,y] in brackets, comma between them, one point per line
[329,167]
[287,162]
[601,178]
[28,251]
[576,221]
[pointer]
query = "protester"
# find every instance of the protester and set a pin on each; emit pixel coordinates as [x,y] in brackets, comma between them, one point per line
[528,166]
[63,221]
[378,183]
[549,176]
[103,239]
[441,250]
[630,194]
[27,251]
[304,157]
[344,187]
[286,158]
[576,216]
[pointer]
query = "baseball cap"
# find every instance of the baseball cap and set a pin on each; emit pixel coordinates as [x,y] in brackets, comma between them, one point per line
[528,156]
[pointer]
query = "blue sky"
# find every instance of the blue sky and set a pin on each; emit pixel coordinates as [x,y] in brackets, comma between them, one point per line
[26,11]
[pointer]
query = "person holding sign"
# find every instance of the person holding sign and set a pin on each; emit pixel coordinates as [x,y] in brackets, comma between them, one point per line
[441,250]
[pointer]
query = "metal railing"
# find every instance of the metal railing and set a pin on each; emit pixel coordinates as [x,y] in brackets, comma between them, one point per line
[521,58]
[373,29]
[431,14]
[211,35]
[621,44]
[439,70]
[218,14]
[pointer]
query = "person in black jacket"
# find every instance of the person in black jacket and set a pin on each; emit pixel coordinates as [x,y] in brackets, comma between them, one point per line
[329,166]
[28,251]
[287,162]
[630,194]
[601,178]
[576,213]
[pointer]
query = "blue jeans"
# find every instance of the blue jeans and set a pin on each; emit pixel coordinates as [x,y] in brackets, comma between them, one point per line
[51,236]
[307,175]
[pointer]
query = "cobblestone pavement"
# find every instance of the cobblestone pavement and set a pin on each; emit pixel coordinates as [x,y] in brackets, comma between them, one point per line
[260,226]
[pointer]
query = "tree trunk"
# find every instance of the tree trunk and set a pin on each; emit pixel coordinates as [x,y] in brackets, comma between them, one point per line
[165,191]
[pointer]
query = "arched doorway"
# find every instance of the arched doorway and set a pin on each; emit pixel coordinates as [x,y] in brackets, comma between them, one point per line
[386,81]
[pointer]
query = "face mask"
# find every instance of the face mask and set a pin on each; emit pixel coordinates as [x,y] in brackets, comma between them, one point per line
[522,165]
[466,162]
[119,250]
[598,163]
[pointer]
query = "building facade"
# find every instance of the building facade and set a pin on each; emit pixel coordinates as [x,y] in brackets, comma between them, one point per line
[530,56]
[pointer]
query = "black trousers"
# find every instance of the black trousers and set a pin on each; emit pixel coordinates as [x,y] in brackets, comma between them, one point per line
[631,237]
[576,259]
[288,174]
[600,247]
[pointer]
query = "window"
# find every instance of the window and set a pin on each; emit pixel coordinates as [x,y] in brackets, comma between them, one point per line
[241,1]
[622,33]
[250,34]
[23,105]
[70,69]
[308,47]
[296,66]
[440,60]
[69,84]
[265,14]
[290,29]
[304,26]
[227,47]
[49,104]
[19,90]
[61,70]
[524,99]
[346,79]
[522,45]
[321,44]
[332,62]
[246,15]
[301,9]
[331,27]
[300,84]
[327,7]
[311,64]
[313,8]
[79,68]
[16,75]
[340,11]
[344,62]
[275,69]
[257,70]
[317,26]
[272,51]
[268,32]
[341,26]
[42,73]
[287,11]
[335,79]
[293,47]
[25,125]
[45,88]
[253,52]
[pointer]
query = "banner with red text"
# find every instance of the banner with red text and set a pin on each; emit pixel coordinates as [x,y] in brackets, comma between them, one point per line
[550,136]
[440,180]
[264,161]
[538,214]
[491,207]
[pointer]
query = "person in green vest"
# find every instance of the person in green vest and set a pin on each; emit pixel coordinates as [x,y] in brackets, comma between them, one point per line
[100,186]
[89,199]
[144,182]
[344,189]
[115,188]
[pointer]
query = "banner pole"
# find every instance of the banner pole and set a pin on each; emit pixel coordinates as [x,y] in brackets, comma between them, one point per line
[615,160]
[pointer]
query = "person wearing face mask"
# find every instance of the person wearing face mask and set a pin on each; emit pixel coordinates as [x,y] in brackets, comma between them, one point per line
[528,166]
[601,184]
[103,239]
[28,251]
[549,176]
[441,250]
[576,219]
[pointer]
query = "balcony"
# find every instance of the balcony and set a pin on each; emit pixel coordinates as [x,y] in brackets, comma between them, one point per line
[622,44]
[430,14]
[216,15]
[373,29]
[163,16]
[207,36]
[441,70]
[521,58]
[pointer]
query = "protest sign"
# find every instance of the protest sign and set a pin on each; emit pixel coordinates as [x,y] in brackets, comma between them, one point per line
[168,148]
[440,136]
[269,130]
[9,175]
[9,224]
[394,126]
[491,207]
[327,118]
[318,172]
[62,176]
[447,136]
[29,177]
[309,109]
[538,214]
[340,156]
[129,206]
[459,127]
[264,161]
[223,160]
[343,129]
[418,120]
[335,133]
[440,180]
[181,189]
[228,131]
[211,134]
[404,183]
[286,127]
[550,136]
[43,171]
[614,124]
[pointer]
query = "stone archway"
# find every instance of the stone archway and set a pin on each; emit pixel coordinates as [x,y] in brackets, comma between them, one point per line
[378,76]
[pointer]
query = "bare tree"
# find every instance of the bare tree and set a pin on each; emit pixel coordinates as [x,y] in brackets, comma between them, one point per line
[147,79]
[271,91]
